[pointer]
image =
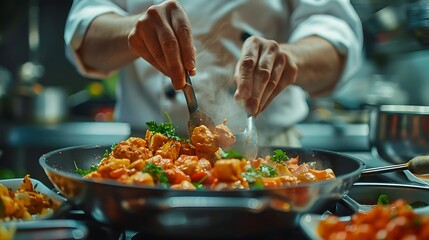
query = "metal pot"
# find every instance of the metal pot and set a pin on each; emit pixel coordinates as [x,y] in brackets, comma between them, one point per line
[39,104]
[397,133]
[202,213]
[418,20]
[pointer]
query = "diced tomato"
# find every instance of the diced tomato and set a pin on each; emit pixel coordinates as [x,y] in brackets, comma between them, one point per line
[204,177]
[322,174]
[176,176]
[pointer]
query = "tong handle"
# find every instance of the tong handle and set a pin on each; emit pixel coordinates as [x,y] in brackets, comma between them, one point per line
[189,92]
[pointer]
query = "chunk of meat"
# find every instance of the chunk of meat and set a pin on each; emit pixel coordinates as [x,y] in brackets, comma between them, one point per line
[141,178]
[155,141]
[204,164]
[176,176]
[112,164]
[230,185]
[133,148]
[229,170]
[223,135]
[205,143]
[170,149]
[187,164]
[275,182]
[187,148]
[158,160]
[184,185]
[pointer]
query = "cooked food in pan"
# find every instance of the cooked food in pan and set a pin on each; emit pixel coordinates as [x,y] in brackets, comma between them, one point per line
[392,221]
[24,203]
[162,158]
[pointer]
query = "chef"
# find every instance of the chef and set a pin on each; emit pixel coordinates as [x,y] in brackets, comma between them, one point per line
[262,57]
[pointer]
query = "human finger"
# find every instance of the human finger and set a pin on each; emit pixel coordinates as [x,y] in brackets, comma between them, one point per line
[138,46]
[182,28]
[243,76]
[146,29]
[288,77]
[276,73]
[262,73]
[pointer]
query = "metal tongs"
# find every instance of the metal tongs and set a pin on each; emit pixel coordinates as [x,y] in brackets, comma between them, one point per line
[196,117]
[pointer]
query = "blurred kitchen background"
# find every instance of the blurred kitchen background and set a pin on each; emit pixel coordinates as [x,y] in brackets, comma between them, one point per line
[46,105]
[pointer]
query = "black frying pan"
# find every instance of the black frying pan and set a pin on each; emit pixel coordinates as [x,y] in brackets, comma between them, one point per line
[205,213]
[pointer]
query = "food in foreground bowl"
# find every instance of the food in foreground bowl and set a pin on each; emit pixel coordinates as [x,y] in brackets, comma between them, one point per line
[162,158]
[393,221]
[6,233]
[24,203]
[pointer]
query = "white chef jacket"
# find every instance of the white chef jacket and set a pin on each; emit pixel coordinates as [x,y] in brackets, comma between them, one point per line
[219,28]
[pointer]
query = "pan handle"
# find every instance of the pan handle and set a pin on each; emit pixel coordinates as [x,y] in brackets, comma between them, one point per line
[385,169]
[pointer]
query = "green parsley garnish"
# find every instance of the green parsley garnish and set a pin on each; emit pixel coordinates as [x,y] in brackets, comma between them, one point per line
[267,171]
[279,157]
[231,154]
[258,185]
[383,200]
[251,174]
[166,129]
[84,172]
[157,173]
[198,186]
[107,152]
[263,171]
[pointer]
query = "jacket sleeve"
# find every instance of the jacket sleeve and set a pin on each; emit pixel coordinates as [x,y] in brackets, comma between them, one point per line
[337,22]
[81,14]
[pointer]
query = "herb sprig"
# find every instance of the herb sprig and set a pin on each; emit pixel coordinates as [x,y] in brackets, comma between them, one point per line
[166,129]
[231,154]
[383,200]
[84,172]
[157,173]
[279,157]
[107,152]
[262,171]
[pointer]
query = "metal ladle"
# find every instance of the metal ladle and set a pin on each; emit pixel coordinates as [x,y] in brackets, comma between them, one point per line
[247,141]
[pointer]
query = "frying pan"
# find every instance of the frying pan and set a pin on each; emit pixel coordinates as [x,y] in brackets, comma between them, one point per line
[208,213]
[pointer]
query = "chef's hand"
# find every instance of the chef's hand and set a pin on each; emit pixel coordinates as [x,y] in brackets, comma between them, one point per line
[162,36]
[261,73]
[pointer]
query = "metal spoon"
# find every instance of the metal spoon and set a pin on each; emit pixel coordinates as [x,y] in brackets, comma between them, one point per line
[196,117]
[247,141]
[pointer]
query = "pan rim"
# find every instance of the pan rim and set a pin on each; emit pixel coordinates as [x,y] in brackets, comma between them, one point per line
[42,161]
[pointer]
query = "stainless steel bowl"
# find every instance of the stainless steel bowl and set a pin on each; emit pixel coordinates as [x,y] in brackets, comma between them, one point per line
[398,133]
[364,195]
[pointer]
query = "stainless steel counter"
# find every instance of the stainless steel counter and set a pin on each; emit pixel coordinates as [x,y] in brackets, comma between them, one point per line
[335,136]
[62,134]
[22,145]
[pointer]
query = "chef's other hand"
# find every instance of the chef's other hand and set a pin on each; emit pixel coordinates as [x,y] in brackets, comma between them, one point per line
[162,36]
[261,73]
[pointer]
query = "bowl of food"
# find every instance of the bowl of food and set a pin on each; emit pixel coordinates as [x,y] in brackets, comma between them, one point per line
[395,220]
[398,133]
[362,197]
[26,199]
